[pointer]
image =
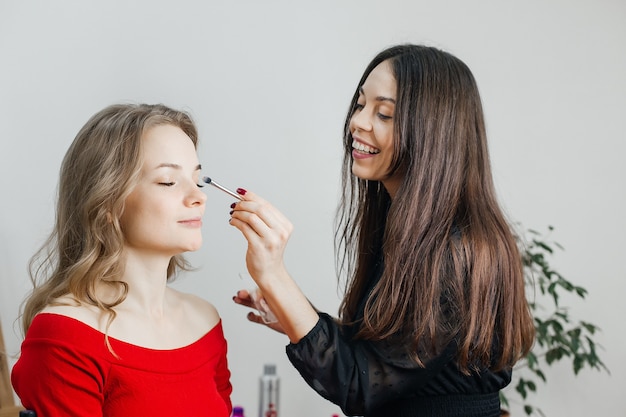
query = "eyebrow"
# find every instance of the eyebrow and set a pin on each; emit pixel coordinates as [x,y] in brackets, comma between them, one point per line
[175,166]
[379,98]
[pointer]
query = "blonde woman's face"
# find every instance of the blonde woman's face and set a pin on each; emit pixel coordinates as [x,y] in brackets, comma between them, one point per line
[372,125]
[163,213]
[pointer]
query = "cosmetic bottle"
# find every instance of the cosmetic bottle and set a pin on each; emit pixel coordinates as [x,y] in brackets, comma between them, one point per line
[238,412]
[269,387]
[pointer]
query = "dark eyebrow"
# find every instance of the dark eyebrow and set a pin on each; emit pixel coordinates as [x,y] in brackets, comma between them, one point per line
[176,166]
[379,98]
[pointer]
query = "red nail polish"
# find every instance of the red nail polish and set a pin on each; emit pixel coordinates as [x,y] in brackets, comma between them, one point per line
[233,205]
[231,212]
[241,191]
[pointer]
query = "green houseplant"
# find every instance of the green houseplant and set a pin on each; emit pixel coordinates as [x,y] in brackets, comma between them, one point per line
[558,336]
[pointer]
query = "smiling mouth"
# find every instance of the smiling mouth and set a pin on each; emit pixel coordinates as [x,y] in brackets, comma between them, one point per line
[363,148]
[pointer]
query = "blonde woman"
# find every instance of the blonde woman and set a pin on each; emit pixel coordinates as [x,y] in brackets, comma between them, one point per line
[105,334]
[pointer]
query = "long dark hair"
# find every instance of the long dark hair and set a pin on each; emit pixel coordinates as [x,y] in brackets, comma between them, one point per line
[452,268]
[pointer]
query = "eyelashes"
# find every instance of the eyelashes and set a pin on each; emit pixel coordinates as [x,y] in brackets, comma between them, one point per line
[170,184]
[358,107]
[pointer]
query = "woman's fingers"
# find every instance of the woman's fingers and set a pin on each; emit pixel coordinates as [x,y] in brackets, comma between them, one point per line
[265,228]
[243,298]
[255,318]
[262,216]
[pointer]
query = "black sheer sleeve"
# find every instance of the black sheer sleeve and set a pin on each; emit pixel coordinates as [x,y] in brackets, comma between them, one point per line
[358,375]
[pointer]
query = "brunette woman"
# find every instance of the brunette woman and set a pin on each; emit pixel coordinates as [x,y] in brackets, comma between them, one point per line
[434,315]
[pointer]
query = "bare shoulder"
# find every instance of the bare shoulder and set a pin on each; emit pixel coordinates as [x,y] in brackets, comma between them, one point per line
[70,307]
[198,311]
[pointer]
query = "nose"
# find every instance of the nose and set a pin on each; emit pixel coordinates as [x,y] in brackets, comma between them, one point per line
[195,196]
[360,120]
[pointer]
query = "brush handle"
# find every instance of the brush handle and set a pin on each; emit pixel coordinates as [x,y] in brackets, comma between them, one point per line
[226,190]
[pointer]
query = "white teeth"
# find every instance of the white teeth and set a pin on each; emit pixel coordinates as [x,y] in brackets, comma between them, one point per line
[364,148]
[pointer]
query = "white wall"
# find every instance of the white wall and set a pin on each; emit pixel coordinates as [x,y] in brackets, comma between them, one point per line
[268,83]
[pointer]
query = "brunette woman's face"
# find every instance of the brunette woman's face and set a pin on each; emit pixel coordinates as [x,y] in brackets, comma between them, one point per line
[372,126]
[163,213]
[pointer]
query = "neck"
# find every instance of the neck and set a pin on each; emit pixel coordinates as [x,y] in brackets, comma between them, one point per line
[146,277]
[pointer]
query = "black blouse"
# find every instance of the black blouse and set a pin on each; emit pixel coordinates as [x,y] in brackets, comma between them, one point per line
[378,379]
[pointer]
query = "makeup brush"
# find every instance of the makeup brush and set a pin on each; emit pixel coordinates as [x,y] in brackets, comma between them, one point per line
[226,190]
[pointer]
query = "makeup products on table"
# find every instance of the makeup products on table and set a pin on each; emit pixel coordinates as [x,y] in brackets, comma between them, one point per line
[269,390]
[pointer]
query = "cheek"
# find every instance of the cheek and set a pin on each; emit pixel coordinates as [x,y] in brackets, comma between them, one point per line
[130,226]
[128,215]
[387,147]
[385,142]
[387,138]
[138,217]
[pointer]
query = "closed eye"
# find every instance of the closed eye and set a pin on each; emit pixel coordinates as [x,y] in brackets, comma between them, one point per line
[167,184]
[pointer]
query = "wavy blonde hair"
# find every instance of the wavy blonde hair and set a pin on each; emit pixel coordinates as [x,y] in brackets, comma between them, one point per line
[99,170]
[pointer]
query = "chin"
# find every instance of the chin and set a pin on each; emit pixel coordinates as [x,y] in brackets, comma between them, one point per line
[362,176]
[356,172]
[190,246]
[363,173]
[194,247]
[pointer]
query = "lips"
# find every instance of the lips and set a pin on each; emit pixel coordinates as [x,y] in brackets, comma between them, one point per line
[192,222]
